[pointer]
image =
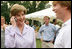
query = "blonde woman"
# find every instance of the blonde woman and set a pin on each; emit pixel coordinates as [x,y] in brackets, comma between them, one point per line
[19,35]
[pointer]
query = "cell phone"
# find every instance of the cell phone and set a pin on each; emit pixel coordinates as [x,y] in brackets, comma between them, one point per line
[15,19]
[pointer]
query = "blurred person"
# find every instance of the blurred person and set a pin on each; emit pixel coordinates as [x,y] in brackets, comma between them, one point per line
[47,33]
[27,22]
[57,28]
[34,26]
[36,30]
[55,23]
[19,35]
[63,12]
[3,26]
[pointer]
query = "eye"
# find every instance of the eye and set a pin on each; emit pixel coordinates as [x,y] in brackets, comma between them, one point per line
[22,14]
[18,15]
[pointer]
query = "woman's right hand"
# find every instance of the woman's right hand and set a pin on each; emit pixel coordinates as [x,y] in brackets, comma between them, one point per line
[13,22]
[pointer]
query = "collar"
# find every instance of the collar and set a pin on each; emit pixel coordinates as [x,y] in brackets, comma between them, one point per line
[24,29]
[68,22]
[47,25]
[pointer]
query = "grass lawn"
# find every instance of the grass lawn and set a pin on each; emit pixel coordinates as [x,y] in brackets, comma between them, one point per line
[38,43]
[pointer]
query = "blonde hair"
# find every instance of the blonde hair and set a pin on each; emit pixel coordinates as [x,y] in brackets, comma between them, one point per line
[47,17]
[63,4]
[16,8]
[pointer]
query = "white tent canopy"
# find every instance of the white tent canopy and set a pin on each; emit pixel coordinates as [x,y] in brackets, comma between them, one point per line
[40,14]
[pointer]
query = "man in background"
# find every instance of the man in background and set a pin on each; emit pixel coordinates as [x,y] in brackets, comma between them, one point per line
[47,33]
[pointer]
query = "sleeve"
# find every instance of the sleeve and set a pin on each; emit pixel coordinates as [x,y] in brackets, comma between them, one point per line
[40,32]
[34,40]
[67,38]
[9,38]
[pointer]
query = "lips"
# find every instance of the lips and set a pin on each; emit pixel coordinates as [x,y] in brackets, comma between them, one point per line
[21,20]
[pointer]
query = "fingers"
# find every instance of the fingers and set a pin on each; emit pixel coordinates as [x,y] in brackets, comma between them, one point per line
[12,20]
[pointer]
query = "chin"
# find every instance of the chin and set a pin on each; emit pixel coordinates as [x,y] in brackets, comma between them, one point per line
[58,16]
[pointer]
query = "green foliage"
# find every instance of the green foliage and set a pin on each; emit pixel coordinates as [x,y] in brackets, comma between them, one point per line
[5,11]
[31,7]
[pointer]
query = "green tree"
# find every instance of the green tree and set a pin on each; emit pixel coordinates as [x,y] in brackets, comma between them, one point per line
[5,11]
[30,6]
[41,5]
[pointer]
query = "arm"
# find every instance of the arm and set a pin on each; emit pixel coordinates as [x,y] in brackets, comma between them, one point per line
[40,33]
[9,38]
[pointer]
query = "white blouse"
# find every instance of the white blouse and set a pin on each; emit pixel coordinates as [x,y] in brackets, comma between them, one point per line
[14,39]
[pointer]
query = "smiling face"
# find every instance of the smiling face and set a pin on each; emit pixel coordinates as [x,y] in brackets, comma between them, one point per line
[18,11]
[46,20]
[59,10]
[20,17]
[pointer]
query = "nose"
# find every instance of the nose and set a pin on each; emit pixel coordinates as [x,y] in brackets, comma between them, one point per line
[21,17]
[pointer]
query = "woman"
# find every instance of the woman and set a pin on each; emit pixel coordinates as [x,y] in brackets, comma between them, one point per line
[3,26]
[19,35]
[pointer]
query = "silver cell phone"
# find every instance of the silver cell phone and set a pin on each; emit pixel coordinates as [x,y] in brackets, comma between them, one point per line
[15,19]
